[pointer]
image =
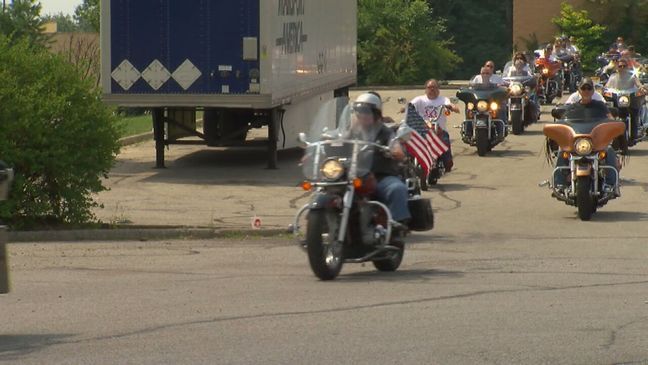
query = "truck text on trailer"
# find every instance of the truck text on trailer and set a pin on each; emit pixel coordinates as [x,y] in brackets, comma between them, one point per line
[246,63]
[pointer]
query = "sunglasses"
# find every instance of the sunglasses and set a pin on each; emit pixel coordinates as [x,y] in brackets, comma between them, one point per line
[362,110]
[622,66]
[586,88]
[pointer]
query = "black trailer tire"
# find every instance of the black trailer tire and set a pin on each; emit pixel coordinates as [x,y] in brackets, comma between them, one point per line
[317,250]
[483,143]
[584,199]
[517,122]
[392,263]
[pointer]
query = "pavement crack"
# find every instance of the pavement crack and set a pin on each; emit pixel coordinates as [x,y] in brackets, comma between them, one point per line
[342,309]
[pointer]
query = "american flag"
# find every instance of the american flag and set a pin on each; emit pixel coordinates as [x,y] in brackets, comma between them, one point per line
[424,144]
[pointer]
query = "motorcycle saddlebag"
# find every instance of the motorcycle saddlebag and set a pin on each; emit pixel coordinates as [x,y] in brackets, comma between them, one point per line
[422,214]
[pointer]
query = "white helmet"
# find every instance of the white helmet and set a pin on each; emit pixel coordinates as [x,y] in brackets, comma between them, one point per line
[368,100]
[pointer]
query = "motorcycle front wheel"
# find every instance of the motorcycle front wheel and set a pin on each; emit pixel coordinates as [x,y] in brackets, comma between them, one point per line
[325,255]
[483,144]
[584,199]
[517,122]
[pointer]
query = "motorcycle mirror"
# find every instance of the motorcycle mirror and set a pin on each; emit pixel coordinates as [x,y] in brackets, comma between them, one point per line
[454,100]
[558,113]
[402,100]
[499,72]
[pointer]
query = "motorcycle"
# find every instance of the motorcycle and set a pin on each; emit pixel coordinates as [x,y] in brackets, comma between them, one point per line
[483,126]
[570,72]
[523,110]
[605,62]
[345,224]
[551,80]
[439,168]
[583,141]
[633,111]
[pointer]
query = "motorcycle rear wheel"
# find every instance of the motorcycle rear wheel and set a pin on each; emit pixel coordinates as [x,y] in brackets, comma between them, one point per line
[584,199]
[325,258]
[483,144]
[392,263]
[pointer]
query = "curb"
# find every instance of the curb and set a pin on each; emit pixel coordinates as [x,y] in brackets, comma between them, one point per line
[136,234]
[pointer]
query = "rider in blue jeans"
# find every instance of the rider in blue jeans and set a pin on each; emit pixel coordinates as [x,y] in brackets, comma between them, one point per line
[391,189]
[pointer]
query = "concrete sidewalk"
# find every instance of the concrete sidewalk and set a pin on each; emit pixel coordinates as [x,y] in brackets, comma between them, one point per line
[210,187]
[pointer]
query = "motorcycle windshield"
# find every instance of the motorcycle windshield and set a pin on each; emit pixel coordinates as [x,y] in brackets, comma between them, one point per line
[584,119]
[343,153]
[476,93]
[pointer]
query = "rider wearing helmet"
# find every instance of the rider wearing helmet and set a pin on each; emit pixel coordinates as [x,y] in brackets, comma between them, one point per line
[391,189]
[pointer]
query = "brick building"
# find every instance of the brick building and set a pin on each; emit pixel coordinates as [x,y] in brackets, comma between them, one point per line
[534,17]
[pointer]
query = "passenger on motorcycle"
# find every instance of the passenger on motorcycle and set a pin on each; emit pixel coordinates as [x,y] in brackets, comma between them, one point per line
[494,78]
[520,66]
[391,189]
[586,90]
[430,107]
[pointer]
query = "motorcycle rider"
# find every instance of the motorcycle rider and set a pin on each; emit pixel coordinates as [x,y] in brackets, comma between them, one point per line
[391,190]
[494,78]
[430,106]
[625,79]
[620,44]
[576,97]
[586,90]
[520,66]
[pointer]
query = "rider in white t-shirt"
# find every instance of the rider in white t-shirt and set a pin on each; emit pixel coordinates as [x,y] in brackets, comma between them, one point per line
[431,106]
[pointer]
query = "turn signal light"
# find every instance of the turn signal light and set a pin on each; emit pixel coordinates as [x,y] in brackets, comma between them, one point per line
[307,186]
[602,155]
[565,155]
[357,183]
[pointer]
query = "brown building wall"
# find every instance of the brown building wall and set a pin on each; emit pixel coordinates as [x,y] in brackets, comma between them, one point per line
[534,17]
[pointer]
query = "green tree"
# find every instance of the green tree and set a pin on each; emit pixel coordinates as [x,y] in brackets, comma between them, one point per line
[87,15]
[627,18]
[64,22]
[57,135]
[481,30]
[21,19]
[399,42]
[588,35]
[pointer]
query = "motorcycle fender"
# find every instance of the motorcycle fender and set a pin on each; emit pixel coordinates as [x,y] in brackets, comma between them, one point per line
[325,201]
[481,123]
[583,170]
[516,106]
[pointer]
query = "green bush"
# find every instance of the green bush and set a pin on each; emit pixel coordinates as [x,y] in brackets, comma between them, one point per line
[56,133]
[399,42]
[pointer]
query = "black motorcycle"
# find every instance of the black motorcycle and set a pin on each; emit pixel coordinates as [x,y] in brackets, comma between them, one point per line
[523,110]
[344,223]
[631,104]
[483,126]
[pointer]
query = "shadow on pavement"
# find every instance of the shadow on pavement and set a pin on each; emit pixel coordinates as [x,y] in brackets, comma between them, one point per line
[611,216]
[227,167]
[399,275]
[13,347]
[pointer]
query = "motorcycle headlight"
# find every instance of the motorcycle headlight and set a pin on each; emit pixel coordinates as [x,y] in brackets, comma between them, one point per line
[583,146]
[516,89]
[494,106]
[545,71]
[470,106]
[624,101]
[482,106]
[332,169]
